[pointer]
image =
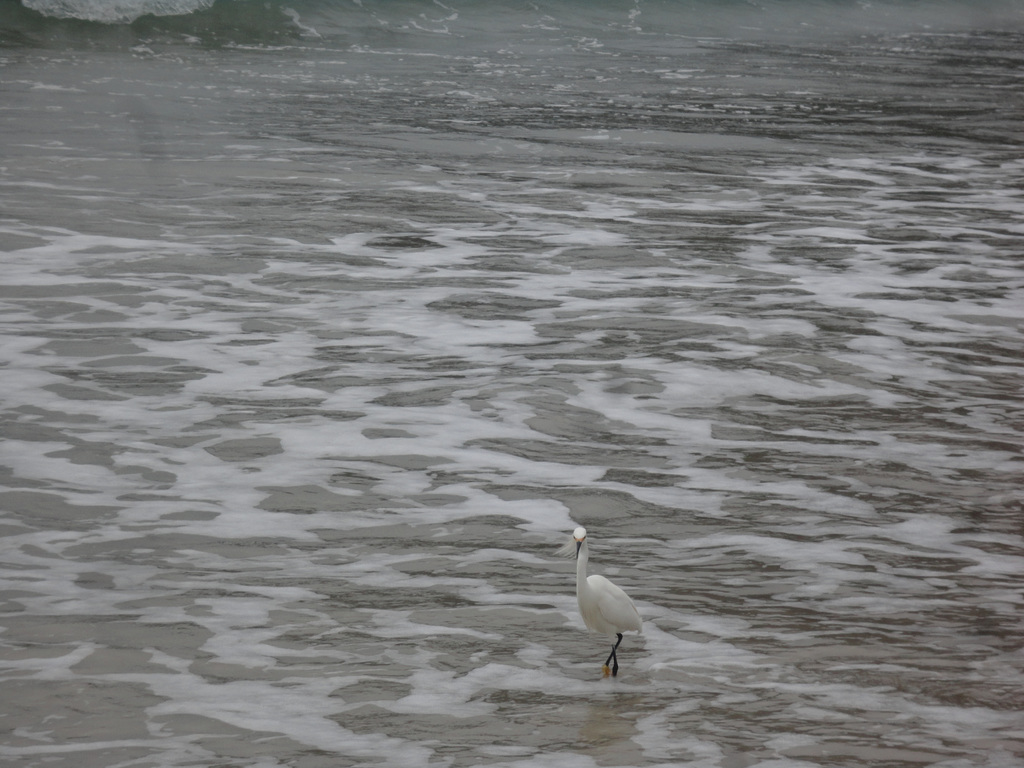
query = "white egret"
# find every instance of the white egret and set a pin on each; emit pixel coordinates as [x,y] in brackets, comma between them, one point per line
[605,608]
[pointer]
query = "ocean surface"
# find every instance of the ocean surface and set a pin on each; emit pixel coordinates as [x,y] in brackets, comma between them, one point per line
[324,323]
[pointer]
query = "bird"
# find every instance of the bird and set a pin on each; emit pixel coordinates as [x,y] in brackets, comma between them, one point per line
[605,608]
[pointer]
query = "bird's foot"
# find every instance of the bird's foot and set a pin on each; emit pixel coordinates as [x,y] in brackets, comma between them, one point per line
[606,669]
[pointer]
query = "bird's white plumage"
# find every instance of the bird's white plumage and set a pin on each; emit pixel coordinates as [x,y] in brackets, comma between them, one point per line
[605,608]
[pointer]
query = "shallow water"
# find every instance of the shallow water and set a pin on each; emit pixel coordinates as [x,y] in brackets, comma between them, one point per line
[315,352]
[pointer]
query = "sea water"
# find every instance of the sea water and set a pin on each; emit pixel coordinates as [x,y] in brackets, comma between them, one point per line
[325,322]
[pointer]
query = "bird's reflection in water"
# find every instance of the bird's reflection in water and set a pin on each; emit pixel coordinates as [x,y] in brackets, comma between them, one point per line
[607,731]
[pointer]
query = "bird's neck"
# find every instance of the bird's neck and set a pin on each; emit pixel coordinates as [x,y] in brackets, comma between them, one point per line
[581,570]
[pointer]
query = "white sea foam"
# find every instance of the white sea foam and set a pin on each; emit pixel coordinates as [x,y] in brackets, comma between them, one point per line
[298,407]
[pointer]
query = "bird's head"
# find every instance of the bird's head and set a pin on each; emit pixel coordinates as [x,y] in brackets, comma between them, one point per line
[572,547]
[579,536]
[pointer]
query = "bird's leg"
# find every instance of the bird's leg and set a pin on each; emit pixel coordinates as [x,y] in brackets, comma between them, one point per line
[613,658]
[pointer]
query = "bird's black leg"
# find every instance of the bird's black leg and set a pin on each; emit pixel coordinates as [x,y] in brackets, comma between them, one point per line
[613,658]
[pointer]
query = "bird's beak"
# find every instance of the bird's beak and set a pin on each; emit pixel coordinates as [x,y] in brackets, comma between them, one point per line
[579,543]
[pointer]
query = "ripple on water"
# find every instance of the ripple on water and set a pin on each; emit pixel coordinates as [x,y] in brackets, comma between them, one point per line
[293,425]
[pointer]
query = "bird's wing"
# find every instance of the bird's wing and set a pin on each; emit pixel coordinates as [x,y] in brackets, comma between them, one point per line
[615,606]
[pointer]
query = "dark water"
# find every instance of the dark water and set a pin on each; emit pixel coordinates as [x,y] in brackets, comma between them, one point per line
[325,323]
